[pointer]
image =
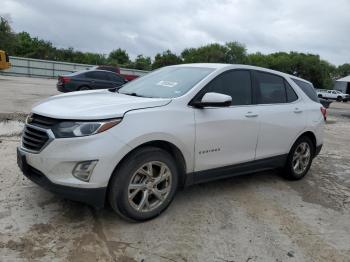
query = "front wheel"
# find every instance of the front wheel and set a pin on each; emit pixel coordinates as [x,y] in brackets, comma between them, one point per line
[144,185]
[299,159]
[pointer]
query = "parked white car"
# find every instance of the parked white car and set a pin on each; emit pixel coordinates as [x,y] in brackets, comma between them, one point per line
[179,125]
[332,94]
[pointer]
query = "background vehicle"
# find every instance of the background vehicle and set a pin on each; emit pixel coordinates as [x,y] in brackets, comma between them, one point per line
[116,70]
[4,60]
[333,94]
[176,126]
[88,80]
[325,102]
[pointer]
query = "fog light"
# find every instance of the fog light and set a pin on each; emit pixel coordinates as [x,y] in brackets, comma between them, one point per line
[83,170]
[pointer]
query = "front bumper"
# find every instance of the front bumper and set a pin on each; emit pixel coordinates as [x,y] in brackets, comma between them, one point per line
[52,167]
[92,196]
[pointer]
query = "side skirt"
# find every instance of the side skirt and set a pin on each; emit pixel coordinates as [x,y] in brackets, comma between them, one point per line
[236,170]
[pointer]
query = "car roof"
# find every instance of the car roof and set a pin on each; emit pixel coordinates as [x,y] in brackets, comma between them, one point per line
[218,66]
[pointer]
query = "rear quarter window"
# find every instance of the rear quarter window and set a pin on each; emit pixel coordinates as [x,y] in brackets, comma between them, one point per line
[307,88]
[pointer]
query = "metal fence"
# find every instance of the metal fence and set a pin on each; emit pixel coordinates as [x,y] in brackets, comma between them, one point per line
[51,69]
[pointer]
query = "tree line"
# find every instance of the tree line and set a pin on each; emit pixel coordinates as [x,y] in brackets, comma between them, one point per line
[308,66]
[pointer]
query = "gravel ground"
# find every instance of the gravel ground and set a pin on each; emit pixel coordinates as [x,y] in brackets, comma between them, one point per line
[259,217]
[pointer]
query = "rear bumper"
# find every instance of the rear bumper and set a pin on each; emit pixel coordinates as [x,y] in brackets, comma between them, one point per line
[62,88]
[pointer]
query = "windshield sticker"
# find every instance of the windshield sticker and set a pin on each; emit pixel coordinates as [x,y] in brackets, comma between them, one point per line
[166,83]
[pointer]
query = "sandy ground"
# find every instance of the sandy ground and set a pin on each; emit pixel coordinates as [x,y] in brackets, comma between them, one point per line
[259,217]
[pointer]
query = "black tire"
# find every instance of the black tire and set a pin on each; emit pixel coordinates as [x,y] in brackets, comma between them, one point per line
[320,96]
[84,88]
[345,100]
[339,98]
[289,171]
[119,185]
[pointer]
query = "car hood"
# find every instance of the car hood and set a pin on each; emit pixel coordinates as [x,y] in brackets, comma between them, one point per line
[95,104]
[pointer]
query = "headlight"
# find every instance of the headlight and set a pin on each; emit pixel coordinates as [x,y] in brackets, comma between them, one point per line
[67,129]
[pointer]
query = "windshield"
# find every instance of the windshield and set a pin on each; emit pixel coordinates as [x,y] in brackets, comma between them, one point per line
[168,82]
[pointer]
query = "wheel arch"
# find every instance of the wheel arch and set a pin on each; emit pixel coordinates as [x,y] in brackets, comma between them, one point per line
[310,135]
[169,147]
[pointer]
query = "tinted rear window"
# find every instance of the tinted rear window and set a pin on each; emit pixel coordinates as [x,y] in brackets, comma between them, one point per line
[270,88]
[308,89]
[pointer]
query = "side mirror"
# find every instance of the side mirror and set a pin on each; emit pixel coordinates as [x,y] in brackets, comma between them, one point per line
[214,100]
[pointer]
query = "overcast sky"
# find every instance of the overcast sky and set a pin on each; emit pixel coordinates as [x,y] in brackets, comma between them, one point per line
[152,26]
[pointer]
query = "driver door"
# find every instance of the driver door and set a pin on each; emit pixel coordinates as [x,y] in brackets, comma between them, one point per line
[227,135]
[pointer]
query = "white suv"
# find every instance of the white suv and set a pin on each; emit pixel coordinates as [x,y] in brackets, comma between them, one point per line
[179,125]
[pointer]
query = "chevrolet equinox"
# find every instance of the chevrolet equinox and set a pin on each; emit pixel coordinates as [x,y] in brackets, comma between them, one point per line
[133,147]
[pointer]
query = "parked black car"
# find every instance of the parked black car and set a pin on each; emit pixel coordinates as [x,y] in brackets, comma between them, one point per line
[90,79]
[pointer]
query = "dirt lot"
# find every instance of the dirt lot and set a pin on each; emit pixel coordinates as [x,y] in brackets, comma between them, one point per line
[260,217]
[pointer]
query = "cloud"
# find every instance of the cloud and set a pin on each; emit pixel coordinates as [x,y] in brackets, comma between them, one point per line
[149,27]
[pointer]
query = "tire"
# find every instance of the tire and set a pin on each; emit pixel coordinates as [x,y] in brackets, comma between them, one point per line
[127,201]
[320,96]
[291,170]
[84,88]
[345,100]
[339,98]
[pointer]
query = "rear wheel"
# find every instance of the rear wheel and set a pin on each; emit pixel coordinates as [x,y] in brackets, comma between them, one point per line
[144,185]
[299,159]
[339,98]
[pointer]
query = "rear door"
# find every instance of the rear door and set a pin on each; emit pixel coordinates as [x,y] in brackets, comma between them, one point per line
[281,114]
[99,80]
[226,135]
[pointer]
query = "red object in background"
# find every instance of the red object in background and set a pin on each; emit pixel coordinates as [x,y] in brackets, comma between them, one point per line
[130,77]
[324,112]
[63,79]
[116,69]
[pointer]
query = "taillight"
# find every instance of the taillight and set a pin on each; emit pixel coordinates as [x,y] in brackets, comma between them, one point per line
[63,79]
[324,112]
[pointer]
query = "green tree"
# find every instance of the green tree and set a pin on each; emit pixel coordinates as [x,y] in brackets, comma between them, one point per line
[342,70]
[143,63]
[212,53]
[165,59]
[7,37]
[236,53]
[119,57]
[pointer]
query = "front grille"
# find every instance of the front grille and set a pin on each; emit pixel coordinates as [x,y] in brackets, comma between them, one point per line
[34,139]
[43,121]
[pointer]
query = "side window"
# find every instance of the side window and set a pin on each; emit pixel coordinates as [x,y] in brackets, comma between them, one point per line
[307,88]
[269,88]
[235,83]
[291,95]
[116,78]
[97,75]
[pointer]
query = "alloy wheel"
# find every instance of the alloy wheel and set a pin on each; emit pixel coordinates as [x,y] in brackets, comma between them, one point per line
[149,186]
[301,158]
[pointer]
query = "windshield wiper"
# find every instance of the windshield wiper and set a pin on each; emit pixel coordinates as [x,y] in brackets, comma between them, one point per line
[133,94]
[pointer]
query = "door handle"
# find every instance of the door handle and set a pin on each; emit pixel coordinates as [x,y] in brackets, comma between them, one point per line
[297,110]
[251,114]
